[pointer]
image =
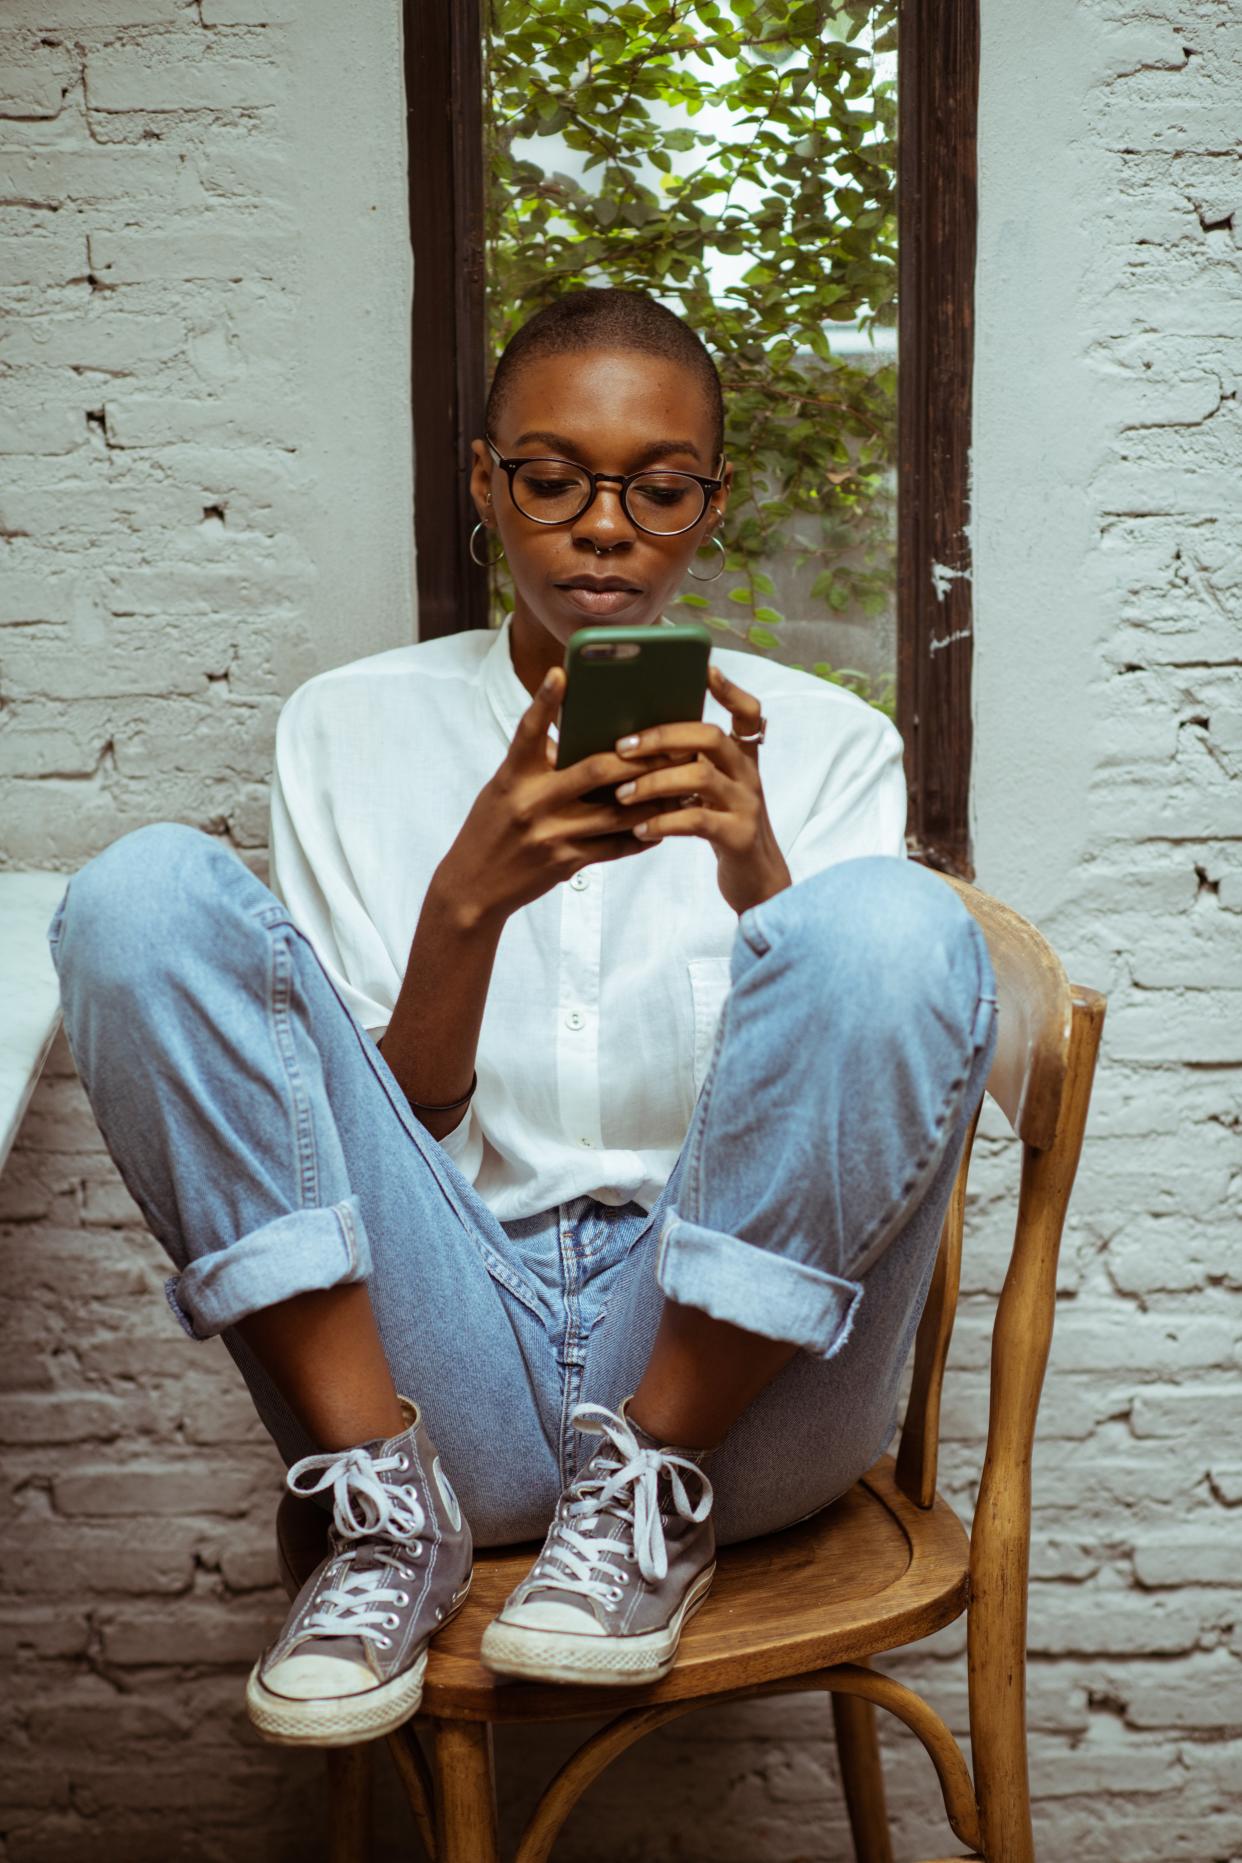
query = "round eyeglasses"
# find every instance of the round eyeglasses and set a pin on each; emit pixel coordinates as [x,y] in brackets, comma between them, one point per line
[555,491]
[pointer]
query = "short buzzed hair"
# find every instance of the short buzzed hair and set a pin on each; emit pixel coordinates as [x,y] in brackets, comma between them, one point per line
[608,318]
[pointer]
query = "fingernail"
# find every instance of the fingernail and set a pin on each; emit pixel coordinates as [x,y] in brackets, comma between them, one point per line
[549,681]
[626,743]
[626,789]
[642,830]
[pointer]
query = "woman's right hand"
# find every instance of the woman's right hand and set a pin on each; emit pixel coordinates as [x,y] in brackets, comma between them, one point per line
[529,828]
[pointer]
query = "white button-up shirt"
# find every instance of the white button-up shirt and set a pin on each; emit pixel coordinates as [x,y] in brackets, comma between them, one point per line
[606,991]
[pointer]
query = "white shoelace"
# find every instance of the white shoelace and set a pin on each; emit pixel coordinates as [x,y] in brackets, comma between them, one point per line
[362,1506]
[595,1568]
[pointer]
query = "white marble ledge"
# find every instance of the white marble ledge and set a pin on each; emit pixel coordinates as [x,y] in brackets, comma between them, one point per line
[29,998]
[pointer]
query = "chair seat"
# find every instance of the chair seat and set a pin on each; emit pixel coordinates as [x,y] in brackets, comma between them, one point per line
[867,1574]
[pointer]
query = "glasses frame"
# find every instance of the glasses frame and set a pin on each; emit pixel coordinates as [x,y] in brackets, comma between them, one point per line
[624,480]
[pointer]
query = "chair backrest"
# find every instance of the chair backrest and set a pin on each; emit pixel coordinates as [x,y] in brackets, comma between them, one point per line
[1047,1039]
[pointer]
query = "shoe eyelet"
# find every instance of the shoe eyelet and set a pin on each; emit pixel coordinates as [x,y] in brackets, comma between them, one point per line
[402,1598]
[402,1461]
[385,1643]
[392,1620]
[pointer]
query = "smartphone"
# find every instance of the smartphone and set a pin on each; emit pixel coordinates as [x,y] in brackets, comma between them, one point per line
[623,679]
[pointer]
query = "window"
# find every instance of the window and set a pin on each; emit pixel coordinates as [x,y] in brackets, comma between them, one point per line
[938,66]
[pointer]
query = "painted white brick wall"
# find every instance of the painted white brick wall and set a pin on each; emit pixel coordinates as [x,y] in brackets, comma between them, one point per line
[204,493]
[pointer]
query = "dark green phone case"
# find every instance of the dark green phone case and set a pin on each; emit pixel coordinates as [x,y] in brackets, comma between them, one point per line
[612,690]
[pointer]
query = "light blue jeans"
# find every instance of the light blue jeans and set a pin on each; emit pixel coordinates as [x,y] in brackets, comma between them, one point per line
[271,1151]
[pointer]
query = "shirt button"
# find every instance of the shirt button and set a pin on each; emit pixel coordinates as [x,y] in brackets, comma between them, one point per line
[579,882]
[575,1019]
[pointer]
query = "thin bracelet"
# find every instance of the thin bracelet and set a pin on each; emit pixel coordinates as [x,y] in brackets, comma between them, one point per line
[448,1104]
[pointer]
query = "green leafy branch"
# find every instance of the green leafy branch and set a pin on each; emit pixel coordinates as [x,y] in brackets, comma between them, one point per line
[799,183]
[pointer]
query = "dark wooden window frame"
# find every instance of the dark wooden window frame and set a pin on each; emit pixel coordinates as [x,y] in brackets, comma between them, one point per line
[938,76]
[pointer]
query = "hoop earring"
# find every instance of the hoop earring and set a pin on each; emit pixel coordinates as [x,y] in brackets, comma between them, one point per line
[484,562]
[720,563]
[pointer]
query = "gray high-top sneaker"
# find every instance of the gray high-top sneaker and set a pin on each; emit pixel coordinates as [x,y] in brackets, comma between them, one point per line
[349,1663]
[628,1558]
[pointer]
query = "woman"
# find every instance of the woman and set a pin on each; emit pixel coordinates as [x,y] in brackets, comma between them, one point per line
[582,1161]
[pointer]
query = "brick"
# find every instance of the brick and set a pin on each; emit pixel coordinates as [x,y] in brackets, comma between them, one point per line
[242,418]
[108,340]
[92,15]
[80,1719]
[59,177]
[33,78]
[1204,1692]
[129,77]
[72,1267]
[257,581]
[29,597]
[1138,45]
[1158,1345]
[42,257]
[204,1632]
[160,1488]
[85,509]
[227,253]
[1203,1027]
[1214,1769]
[176,657]
[41,1784]
[1212,1410]
[250,1568]
[230,1418]
[55,1630]
[107,1203]
[1097,1767]
[64,1418]
[1203,1552]
[35,427]
[80,1560]
[1158,1257]
[1093,1623]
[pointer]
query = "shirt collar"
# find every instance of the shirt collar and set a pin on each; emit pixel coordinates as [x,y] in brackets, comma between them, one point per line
[506,694]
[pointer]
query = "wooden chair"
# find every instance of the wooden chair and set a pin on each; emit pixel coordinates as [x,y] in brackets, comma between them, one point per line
[807,1609]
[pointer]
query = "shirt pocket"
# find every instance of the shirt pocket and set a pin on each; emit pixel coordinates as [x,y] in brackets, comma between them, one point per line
[709,987]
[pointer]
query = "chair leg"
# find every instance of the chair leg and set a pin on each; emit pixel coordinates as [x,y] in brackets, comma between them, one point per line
[862,1778]
[349,1803]
[999,1753]
[465,1793]
[415,1776]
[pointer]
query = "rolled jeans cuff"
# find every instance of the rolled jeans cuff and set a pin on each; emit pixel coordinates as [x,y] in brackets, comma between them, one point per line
[751,1288]
[292,1255]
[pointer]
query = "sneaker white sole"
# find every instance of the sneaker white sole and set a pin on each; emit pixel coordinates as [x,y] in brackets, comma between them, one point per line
[339,1720]
[336,1721]
[561,1656]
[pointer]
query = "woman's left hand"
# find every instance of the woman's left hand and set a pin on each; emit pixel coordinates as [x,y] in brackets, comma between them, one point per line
[724,775]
